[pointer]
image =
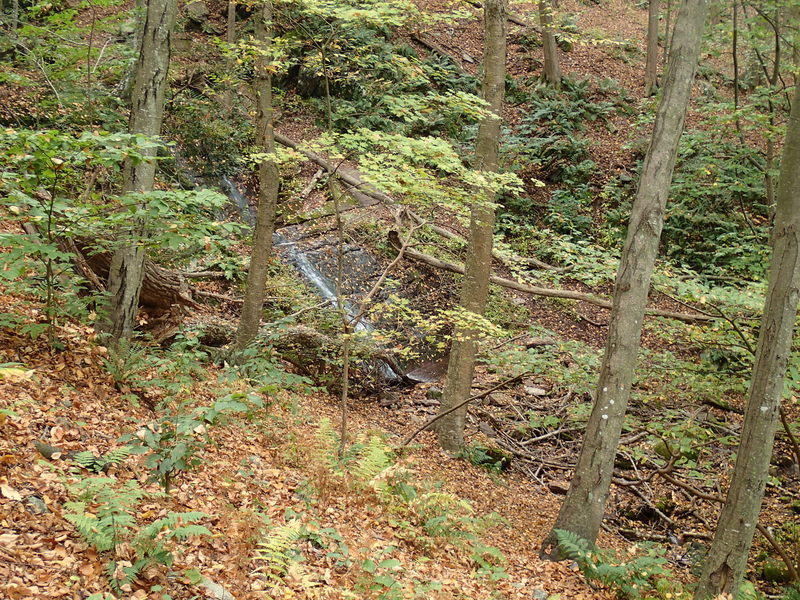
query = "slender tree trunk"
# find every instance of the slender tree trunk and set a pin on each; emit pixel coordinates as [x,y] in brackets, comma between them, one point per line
[725,565]
[147,111]
[475,288]
[230,38]
[583,507]
[268,180]
[667,33]
[552,67]
[651,64]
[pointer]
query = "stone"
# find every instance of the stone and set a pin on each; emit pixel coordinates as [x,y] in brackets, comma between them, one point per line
[434,393]
[535,390]
[197,11]
[36,505]
[558,487]
[215,591]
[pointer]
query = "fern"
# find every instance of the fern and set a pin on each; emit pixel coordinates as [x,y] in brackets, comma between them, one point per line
[105,517]
[327,442]
[275,551]
[374,458]
[645,574]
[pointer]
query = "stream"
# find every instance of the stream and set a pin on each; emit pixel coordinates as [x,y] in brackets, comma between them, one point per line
[286,243]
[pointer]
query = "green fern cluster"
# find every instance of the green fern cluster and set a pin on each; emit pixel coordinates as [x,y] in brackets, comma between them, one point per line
[362,462]
[104,515]
[642,577]
[96,464]
[276,550]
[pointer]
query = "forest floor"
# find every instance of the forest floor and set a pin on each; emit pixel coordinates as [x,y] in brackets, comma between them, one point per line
[268,468]
[251,470]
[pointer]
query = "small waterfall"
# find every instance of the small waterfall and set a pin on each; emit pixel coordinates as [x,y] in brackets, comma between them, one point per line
[324,286]
[241,201]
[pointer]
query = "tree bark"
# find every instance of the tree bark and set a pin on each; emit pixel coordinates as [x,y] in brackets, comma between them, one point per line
[268,180]
[583,507]
[475,289]
[651,64]
[150,81]
[552,67]
[230,38]
[723,571]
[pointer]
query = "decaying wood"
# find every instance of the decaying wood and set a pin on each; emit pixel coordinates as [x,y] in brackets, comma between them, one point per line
[161,288]
[542,291]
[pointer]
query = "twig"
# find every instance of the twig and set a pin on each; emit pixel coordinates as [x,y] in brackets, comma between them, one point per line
[548,435]
[203,274]
[790,567]
[203,294]
[792,439]
[432,420]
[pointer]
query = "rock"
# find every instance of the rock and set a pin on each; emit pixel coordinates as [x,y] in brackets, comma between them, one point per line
[487,430]
[558,487]
[390,399]
[428,402]
[540,595]
[434,393]
[197,11]
[500,399]
[535,390]
[215,591]
[36,505]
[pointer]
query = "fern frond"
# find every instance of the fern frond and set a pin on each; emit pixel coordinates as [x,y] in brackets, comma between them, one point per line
[374,458]
[186,531]
[117,455]
[276,549]
[327,442]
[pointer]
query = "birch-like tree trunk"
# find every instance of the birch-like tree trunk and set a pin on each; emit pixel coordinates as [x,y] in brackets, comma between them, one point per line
[147,112]
[552,66]
[268,180]
[583,507]
[725,565]
[651,63]
[475,287]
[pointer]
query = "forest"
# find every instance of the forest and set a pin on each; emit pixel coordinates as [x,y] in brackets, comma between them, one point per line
[399,299]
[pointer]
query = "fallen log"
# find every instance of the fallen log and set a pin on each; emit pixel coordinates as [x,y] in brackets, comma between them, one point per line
[540,291]
[161,288]
[361,187]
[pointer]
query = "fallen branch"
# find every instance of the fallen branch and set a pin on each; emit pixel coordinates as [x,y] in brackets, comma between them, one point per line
[359,186]
[790,567]
[541,291]
[433,420]
[517,20]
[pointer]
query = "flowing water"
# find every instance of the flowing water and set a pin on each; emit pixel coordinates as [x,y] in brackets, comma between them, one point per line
[289,249]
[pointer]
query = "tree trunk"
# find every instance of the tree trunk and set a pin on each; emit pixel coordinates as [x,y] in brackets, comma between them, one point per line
[725,565]
[230,38]
[150,82]
[651,64]
[478,266]
[268,188]
[552,67]
[582,510]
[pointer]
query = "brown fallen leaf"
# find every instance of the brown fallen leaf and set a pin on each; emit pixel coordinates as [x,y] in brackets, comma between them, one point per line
[8,492]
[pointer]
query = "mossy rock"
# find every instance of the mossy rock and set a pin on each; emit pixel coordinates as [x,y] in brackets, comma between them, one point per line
[775,572]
